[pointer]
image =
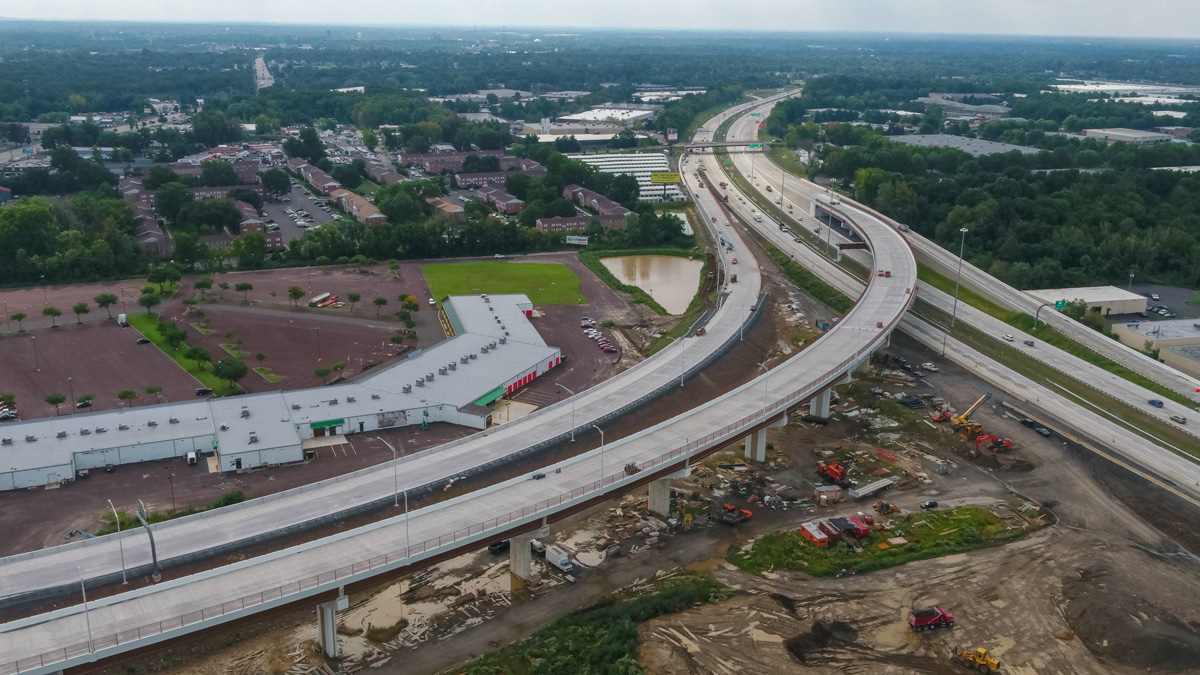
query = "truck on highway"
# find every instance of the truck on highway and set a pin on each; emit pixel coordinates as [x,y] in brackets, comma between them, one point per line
[559,558]
[930,618]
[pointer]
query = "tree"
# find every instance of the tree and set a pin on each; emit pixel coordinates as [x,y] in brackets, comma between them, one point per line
[261,357]
[338,367]
[230,369]
[250,250]
[9,399]
[85,398]
[198,354]
[410,303]
[159,176]
[105,301]
[294,294]
[127,395]
[170,200]
[322,373]
[154,390]
[189,304]
[53,313]
[379,303]
[353,298]
[217,173]
[370,140]
[149,301]
[19,317]
[150,289]
[172,333]
[224,287]
[203,284]
[244,288]
[55,400]
[275,181]
[80,308]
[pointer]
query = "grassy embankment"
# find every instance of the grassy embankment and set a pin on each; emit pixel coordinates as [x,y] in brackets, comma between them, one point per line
[930,534]
[602,638]
[147,325]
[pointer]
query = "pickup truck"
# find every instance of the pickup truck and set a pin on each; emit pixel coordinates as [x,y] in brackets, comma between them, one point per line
[930,618]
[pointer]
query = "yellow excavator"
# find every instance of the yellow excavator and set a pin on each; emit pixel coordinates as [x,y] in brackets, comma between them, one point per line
[963,424]
[975,659]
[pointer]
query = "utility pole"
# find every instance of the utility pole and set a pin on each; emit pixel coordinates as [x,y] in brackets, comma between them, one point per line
[601,453]
[120,541]
[573,408]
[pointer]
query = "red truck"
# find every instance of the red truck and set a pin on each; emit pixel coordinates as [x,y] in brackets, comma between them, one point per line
[930,618]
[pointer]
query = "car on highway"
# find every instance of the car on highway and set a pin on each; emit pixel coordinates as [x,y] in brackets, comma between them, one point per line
[1179,419]
[1155,402]
[931,367]
[1027,422]
[734,261]
[143,341]
[1009,338]
[1028,343]
[499,256]
[1043,431]
[798,239]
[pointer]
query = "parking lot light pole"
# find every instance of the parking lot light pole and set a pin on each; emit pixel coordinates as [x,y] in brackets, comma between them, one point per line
[572,409]
[86,617]
[120,541]
[601,453]
[957,279]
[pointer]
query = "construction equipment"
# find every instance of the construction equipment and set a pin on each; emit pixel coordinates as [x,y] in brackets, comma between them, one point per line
[978,659]
[833,472]
[997,444]
[940,415]
[632,468]
[963,424]
[885,508]
[930,618]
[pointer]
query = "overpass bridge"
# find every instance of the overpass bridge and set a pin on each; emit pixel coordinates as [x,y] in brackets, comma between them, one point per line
[323,572]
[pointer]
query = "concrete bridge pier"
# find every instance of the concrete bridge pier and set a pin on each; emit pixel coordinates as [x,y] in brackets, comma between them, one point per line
[327,624]
[819,405]
[520,556]
[660,492]
[756,442]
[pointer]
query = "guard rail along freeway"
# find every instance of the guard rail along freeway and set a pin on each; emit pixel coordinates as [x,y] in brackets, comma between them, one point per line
[322,570]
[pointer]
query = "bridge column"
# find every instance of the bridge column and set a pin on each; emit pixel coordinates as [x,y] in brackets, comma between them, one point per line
[520,556]
[756,442]
[819,406]
[327,624]
[660,492]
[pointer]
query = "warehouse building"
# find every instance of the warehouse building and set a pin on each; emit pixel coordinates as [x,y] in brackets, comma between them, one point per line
[1130,136]
[1184,358]
[1104,299]
[639,165]
[1151,335]
[495,351]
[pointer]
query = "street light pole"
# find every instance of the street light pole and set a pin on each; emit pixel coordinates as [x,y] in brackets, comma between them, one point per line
[37,364]
[957,279]
[572,409]
[395,475]
[407,539]
[71,386]
[765,374]
[120,541]
[1130,288]
[86,616]
[601,453]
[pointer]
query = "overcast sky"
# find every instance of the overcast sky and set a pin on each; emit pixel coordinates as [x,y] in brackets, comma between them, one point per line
[1115,18]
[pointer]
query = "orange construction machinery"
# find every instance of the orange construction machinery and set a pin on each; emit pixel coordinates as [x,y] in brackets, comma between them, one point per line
[884,508]
[996,444]
[833,472]
[963,424]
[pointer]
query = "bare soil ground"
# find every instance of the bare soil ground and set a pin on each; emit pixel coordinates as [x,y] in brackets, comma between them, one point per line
[99,357]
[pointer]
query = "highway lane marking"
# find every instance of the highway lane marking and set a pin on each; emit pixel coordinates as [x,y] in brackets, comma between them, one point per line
[1124,422]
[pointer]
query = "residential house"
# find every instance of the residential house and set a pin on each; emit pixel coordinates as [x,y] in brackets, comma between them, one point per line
[358,206]
[578,223]
[595,201]
[500,200]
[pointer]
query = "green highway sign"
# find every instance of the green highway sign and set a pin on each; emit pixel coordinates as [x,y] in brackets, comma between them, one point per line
[755,146]
[1060,304]
[754,114]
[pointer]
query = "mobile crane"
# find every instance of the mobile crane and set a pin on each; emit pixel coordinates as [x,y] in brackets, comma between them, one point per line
[963,424]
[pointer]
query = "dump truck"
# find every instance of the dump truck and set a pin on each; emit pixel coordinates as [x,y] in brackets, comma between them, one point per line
[833,472]
[930,618]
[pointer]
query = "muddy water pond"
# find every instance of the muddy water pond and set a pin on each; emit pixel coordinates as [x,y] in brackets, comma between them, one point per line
[671,281]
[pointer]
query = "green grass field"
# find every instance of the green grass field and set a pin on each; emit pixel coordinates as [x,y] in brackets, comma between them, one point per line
[366,188]
[546,284]
[266,374]
[147,325]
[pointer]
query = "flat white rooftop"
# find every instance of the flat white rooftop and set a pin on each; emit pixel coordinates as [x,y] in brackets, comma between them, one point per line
[1171,329]
[1089,294]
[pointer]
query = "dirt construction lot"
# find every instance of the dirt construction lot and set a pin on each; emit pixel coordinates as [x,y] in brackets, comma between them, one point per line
[100,357]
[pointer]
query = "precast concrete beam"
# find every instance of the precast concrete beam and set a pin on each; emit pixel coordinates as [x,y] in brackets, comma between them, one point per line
[327,624]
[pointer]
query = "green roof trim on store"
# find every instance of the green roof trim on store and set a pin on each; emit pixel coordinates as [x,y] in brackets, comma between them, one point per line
[328,423]
[490,396]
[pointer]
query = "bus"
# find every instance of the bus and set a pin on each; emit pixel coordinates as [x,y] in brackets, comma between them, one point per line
[319,299]
[328,301]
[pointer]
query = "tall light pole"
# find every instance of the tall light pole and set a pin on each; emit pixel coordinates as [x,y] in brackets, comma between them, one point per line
[86,616]
[37,364]
[1130,288]
[71,386]
[957,280]
[682,353]
[120,541]
[601,453]
[765,373]
[141,516]
[406,532]
[395,476]
[572,408]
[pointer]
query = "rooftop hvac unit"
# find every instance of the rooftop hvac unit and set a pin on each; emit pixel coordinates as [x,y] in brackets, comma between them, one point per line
[492,344]
[374,397]
[504,339]
[406,388]
[224,427]
[173,420]
[333,401]
[452,365]
[491,309]
[151,423]
[85,432]
[462,360]
[30,439]
[350,399]
[482,350]
[253,437]
[245,412]
[101,430]
[420,382]
[61,434]
[5,441]
[442,370]
[122,427]
[295,406]
[429,377]
[473,355]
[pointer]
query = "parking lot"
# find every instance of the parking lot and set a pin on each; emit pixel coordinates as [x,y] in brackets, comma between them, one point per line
[299,199]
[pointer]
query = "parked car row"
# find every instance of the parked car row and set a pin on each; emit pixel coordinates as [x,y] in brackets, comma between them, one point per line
[588,324]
